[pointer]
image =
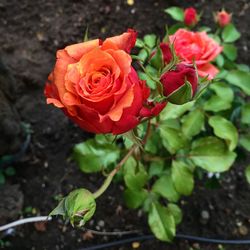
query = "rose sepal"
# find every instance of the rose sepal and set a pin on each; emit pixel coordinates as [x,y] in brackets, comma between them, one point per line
[157,59]
[181,95]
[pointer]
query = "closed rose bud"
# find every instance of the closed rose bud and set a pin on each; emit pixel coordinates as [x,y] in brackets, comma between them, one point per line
[78,206]
[190,17]
[166,52]
[161,56]
[223,18]
[180,84]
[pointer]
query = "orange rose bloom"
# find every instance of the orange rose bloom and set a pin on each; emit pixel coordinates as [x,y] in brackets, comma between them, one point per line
[95,85]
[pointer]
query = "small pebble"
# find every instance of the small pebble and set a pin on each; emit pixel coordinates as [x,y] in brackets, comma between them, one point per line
[130,2]
[135,245]
[101,223]
[196,246]
[139,213]
[243,230]
[205,215]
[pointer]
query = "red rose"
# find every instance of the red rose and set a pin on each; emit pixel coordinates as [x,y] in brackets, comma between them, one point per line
[198,46]
[190,17]
[161,56]
[180,84]
[166,52]
[96,86]
[223,18]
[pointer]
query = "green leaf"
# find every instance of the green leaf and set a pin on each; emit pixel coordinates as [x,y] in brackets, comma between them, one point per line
[223,98]
[192,123]
[225,130]
[176,13]
[165,187]
[10,171]
[139,43]
[247,173]
[211,154]
[94,154]
[230,33]
[2,178]
[157,59]
[230,51]
[175,27]
[59,209]
[182,178]
[245,113]
[216,104]
[220,60]
[172,111]
[240,79]
[156,168]
[152,143]
[172,138]
[204,28]
[150,40]
[245,141]
[176,212]
[135,175]
[134,198]
[215,37]
[243,67]
[161,222]
[143,55]
[151,83]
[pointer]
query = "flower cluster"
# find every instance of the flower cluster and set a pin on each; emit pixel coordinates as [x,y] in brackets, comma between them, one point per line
[96,86]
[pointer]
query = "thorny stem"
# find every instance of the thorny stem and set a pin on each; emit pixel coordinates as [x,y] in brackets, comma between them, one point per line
[110,177]
[108,180]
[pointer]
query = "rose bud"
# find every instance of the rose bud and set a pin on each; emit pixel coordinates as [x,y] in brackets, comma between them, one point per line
[180,84]
[190,17]
[223,18]
[161,56]
[78,206]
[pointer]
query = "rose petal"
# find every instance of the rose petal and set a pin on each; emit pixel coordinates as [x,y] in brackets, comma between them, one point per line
[56,103]
[208,70]
[123,60]
[78,50]
[125,41]
[116,111]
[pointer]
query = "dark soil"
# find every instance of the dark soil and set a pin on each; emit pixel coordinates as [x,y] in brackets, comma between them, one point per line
[31,32]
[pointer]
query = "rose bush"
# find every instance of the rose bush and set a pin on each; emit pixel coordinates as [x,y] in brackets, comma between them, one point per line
[95,85]
[161,158]
[199,47]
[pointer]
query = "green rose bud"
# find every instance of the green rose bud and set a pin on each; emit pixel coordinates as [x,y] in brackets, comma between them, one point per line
[78,206]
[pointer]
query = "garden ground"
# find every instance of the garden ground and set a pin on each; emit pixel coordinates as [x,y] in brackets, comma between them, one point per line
[32,31]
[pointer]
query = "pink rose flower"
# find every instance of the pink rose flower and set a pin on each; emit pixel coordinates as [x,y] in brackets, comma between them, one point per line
[198,46]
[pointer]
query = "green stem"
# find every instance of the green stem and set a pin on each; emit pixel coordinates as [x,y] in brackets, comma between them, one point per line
[111,175]
[108,180]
